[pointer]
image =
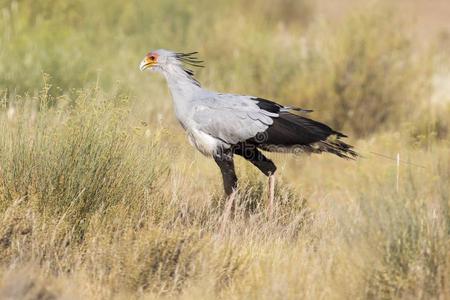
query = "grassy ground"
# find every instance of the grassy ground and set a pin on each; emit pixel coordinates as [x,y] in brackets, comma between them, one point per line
[101,196]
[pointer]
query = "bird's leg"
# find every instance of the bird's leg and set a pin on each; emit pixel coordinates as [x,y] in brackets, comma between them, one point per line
[226,165]
[271,193]
[265,165]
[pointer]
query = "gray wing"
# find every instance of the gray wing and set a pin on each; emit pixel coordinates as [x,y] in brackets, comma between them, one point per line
[231,118]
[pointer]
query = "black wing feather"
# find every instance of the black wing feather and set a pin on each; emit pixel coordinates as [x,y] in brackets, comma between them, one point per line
[291,131]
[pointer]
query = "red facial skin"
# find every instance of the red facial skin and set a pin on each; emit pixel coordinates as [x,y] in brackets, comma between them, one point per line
[151,57]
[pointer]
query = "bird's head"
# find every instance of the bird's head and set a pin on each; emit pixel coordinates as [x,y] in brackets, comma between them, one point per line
[155,60]
[172,64]
[159,60]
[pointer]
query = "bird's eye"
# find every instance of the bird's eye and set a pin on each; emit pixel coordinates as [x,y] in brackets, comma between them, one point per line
[152,58]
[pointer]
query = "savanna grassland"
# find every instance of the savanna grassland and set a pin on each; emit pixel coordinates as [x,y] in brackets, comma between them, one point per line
[102,197]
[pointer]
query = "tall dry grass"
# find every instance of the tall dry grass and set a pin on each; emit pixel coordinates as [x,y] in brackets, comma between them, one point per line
[101,197]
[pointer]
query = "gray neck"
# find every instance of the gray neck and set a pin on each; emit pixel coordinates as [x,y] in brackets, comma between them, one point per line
[182,87]
[179,80]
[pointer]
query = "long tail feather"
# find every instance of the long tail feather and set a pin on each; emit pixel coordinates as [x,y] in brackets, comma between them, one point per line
[291,133]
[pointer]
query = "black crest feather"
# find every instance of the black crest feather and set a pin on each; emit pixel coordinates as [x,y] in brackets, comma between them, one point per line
[189,59]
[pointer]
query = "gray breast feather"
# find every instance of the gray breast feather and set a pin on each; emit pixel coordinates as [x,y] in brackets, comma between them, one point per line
[231,118]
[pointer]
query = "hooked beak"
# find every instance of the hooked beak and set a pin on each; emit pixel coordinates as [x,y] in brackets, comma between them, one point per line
[145,64]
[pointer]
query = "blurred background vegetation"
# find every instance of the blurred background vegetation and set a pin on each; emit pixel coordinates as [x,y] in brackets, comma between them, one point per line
[364,72]
[94,205]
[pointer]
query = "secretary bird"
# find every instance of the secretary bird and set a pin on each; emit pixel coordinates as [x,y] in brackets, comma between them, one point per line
[220,125]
